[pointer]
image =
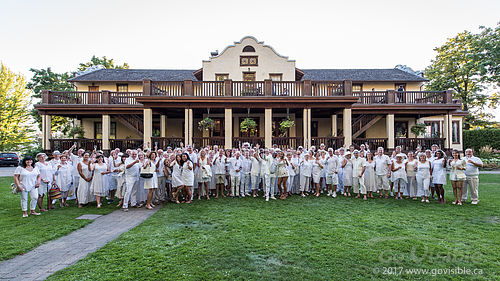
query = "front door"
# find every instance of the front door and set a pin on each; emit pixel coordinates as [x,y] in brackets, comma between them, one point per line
[93,97]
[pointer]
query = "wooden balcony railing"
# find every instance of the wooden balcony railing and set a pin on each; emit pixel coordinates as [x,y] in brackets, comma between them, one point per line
[200,142]
[334,142]
[370,143]
[163,143]
[229,88]
[288,142]
[124,144]
[65,144]
[238,141]
[408,144]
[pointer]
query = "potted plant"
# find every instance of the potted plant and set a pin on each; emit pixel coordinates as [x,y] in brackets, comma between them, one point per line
[286,124]
[418,129]
[76,132]
[248,126]
[206,124]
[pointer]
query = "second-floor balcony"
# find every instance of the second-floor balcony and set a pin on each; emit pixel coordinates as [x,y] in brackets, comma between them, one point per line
[242,89]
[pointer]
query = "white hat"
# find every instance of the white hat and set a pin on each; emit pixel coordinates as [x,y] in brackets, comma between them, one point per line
[400,155]
[56,152]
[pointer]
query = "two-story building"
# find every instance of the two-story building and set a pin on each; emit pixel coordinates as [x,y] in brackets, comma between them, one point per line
[338,107]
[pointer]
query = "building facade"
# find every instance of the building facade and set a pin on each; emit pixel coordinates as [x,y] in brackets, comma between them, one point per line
[337,107]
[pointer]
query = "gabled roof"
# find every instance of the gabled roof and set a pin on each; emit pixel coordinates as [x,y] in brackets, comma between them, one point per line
[136,75]
[361,75]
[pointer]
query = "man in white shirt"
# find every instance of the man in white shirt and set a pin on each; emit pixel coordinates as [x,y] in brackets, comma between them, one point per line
[265,172]
[219,164]
[382,171]
[132,170]
[332,166]
[75,159]
[161,192]
[235,167]
[245,174]
[358,169]
[473,164]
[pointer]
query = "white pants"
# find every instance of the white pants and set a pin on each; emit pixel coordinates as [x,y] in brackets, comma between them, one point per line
[305,183]
[235,185]
[267,186]
[24,199]
[423,186]
[471,184]
[131,192]
[358,185]
[161,193]
[255,182]
[382,182]
[273,183]
[412,186]
[245,184]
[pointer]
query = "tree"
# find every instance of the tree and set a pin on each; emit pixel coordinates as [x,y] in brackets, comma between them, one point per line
[107,63]
[16,124]
[461,65]
[46,79]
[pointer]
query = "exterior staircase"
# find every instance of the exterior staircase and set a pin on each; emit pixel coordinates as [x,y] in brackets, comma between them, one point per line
[133,122]
[363,122]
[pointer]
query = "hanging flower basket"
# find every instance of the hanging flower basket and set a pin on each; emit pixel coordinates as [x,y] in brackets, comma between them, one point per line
[248,126]
[206,124]
[286,124]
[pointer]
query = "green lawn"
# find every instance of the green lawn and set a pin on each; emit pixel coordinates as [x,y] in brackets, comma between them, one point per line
[20,235]
[305,239]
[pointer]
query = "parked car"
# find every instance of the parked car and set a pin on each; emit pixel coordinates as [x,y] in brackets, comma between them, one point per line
[9,158]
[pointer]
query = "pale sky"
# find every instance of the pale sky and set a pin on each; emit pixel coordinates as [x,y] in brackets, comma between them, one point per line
[180,34]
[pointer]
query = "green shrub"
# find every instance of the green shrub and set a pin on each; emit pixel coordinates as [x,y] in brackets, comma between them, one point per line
[476,139]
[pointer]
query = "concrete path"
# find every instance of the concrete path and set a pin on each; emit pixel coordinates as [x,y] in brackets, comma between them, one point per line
[55,255]
[7,171]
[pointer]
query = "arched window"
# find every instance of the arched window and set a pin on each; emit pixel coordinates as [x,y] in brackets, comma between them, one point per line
[248,49]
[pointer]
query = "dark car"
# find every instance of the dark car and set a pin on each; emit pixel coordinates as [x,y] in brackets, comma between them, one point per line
[9,158]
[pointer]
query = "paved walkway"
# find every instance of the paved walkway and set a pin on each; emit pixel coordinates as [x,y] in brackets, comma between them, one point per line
[55,255]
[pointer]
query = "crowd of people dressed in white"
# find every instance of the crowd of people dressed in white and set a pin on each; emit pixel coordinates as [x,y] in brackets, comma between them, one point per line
[145,177]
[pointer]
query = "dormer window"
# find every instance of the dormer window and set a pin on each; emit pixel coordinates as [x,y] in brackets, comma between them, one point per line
[249,49]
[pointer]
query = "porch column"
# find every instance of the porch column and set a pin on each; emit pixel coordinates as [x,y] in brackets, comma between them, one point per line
[106,130]
[334,125]
[347,126]
[293,130]
[446,131]
[389,125]
[228,128]
[163,125]
[307,127]
[188,126]
[46,128]
[148,126]
[268,130]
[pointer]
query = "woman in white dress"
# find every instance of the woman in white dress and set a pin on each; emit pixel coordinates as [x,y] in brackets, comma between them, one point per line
[399,176]
[317,169]
[98,185]
[27,180]
[291,173]
[150,184]
[282,170]
[423,177]
[411,164]
[305,175]
[187,176]
[438,171]
[119,169]
[369,175]
[457,176]
[176,166]
[347,173]
[47,175]
[202,174]
[83,194]
[64,178]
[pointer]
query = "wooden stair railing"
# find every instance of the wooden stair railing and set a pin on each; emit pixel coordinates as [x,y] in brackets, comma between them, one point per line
[133,122]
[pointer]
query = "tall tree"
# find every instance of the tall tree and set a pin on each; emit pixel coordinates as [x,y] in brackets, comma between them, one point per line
[461,65]
[107,63]
[16,124]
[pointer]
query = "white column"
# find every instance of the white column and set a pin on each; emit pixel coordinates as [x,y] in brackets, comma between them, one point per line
[228,128]
[446,131]
[389,125]
[106,131]
[268,130]
[46,131]
[347,126]
[163,126]
[148,126]
[306,128]
[188,126]
[334,125]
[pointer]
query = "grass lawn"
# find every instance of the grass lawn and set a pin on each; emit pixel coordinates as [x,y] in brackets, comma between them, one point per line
[305,239]
[20,235]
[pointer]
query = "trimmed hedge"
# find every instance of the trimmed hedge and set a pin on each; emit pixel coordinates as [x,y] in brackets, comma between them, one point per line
[476,139]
